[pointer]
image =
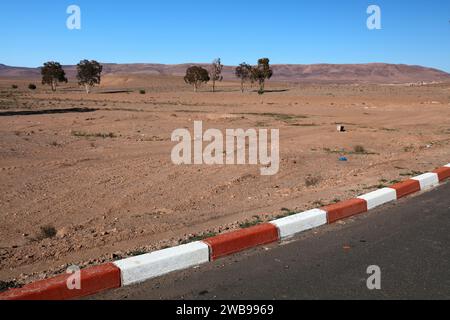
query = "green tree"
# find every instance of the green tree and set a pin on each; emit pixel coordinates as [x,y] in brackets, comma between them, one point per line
[195,76]
[52,73]
[215,72]
[262,72]
[243,72]
[89,74]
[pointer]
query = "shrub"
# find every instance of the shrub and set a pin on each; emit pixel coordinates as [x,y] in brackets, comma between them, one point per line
[48,231]
[359,149]
[32,86]
[311,181]
[142,91]
[14,86]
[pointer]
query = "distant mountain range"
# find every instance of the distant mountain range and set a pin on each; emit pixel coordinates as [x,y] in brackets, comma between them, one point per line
[334,73]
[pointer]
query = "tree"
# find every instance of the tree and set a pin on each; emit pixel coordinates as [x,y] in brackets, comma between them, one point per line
[89,73]
[195,76]
[52,73]
[215,72]
[243,72]
[262,72]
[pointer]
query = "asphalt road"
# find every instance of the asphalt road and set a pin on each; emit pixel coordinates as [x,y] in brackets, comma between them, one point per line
[408,240]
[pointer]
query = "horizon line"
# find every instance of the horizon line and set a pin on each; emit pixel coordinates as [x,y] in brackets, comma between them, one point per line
[233,65]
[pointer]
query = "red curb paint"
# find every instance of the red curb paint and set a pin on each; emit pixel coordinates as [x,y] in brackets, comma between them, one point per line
[345,209]
[443,173]
[406,188]
[229,243]
[93,280]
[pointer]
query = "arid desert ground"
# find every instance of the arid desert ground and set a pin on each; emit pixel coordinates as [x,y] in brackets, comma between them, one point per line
[76,186]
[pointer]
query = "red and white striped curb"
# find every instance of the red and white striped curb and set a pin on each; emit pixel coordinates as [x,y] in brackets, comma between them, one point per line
[141,268]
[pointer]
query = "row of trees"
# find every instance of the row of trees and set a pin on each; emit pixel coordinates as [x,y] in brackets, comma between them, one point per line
[197,75]
[88,74]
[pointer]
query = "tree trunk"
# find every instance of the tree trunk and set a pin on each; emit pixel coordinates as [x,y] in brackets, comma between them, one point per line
[242,86]
[86,87]
[214,85]
[195,87]
[53,86]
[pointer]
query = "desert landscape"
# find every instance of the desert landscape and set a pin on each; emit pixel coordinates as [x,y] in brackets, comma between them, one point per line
[89,176]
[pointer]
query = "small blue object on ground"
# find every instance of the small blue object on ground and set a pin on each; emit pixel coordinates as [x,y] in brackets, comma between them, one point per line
[343,159]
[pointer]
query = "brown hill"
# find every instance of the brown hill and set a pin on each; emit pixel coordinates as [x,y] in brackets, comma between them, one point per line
[335,73]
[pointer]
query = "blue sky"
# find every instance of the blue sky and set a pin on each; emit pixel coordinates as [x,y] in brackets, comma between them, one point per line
[177,31]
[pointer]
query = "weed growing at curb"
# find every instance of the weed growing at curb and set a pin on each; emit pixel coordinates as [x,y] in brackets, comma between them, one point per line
[5,285]
[199,237]
[286,213]
[318,203]
[137,253]
[257,220]
[411,174]
[377,186]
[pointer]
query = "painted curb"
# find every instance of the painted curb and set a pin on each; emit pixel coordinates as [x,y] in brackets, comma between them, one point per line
[345,209]
[406,188]
[144,267]
[443,173]
[229,243]
[379,197]
[427,181]
[141,268]
[93,280]
[297,223]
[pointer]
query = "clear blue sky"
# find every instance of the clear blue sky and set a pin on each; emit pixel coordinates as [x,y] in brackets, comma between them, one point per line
[177,31]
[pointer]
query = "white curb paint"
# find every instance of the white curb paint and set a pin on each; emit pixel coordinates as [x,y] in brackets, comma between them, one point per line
[289,226]
[427,180]
[379,197]
[151,265]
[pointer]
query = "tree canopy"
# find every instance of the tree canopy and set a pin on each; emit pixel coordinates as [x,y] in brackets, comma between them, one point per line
[89,73]
[262,72]
[53,73]
[243,72]
[196,76]
[215,72]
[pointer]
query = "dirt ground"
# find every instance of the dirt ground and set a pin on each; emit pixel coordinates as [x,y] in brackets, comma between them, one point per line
[87,187]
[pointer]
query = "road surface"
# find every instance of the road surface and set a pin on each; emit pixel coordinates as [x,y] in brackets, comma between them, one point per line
[408,240]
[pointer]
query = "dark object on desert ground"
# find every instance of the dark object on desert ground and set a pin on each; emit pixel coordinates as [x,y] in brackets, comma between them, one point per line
[32,86]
